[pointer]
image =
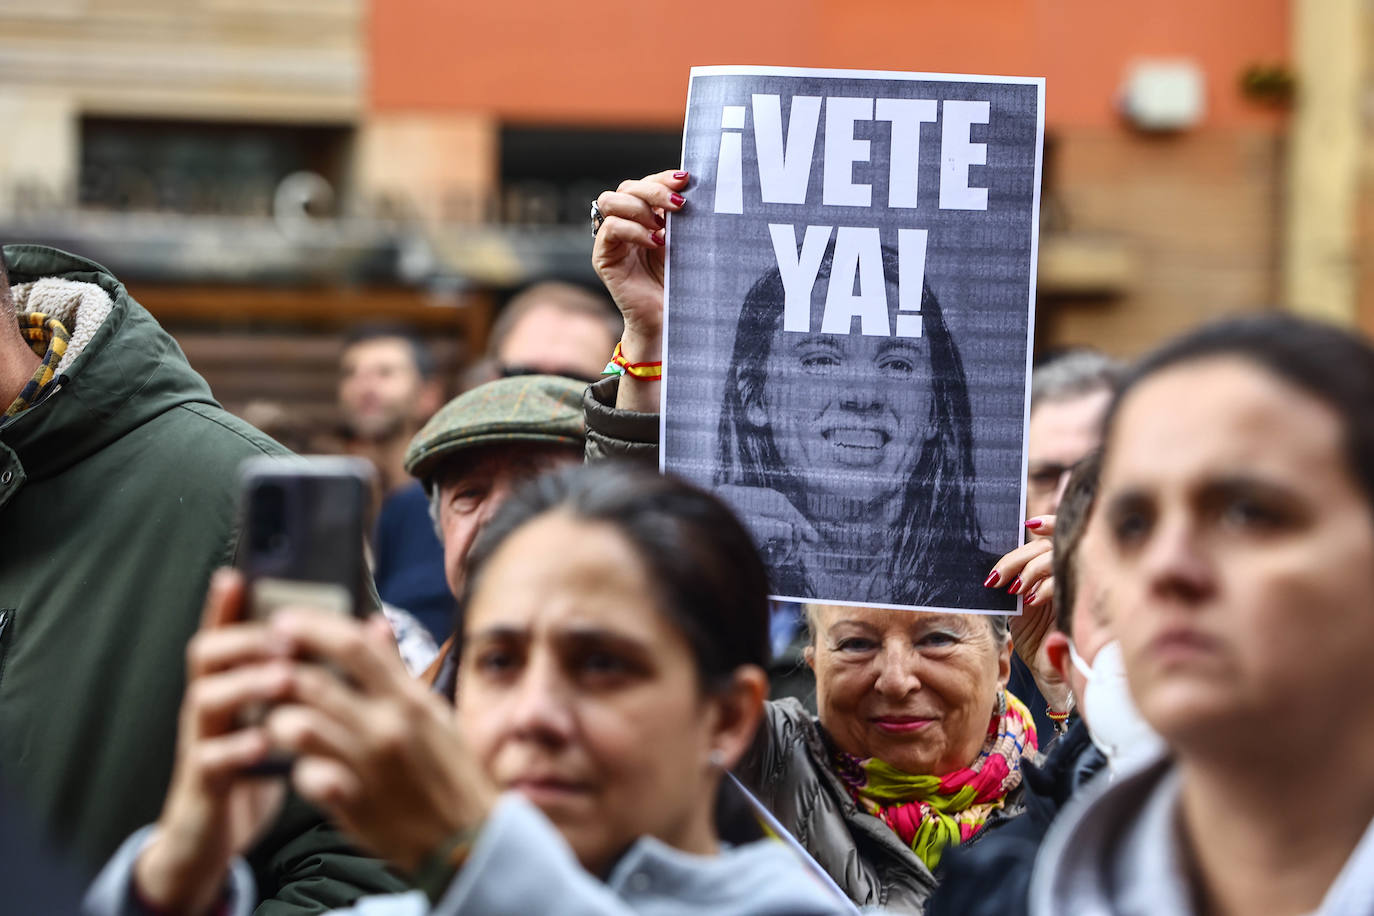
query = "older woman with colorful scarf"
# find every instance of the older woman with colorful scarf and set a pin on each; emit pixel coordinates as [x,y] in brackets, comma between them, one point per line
[917,745]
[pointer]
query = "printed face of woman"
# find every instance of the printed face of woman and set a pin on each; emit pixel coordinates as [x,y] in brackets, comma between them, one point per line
[915,690]
[850,412]
[585,702]
[1242,548]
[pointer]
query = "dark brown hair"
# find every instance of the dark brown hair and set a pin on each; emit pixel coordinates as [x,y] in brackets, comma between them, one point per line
[425,364]
[710,579]
[1327,363]
[1071,521]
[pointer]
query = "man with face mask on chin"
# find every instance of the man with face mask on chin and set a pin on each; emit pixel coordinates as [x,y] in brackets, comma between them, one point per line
[1107,734]
[1082,647]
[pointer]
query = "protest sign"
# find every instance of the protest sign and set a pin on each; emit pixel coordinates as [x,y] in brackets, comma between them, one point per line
[849,315]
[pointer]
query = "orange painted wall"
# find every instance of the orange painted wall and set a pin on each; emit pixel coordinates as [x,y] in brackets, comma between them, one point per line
[622,62]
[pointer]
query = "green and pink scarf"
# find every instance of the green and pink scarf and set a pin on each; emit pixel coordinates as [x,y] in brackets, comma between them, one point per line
[932,813]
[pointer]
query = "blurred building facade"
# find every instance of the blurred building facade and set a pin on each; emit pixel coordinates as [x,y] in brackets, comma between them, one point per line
[1147,228]
[256,166]
[207,151]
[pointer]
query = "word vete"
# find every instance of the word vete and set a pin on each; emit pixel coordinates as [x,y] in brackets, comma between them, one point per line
[858,286]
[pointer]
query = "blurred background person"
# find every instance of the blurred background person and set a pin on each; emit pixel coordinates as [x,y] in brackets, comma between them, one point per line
[1070,392]
[388,388]
[550,328]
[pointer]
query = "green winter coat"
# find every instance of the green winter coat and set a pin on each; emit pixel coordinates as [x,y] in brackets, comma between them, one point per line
[117,500]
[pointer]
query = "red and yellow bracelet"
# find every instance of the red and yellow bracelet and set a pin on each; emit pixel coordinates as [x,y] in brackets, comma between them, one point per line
[652,370]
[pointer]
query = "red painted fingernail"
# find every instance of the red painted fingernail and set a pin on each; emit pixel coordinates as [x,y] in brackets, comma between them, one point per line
[993,578]
[660,220]
[658,238]
[1030,599]
[677,200]
[1034,523]
[679,175]
[1015,586]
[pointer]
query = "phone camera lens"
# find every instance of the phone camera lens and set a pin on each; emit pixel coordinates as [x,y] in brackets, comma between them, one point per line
[268,515]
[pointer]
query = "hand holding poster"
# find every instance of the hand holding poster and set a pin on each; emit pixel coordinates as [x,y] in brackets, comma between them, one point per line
[848,309]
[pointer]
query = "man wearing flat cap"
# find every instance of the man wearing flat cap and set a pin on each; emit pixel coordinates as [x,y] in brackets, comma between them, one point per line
[485,443]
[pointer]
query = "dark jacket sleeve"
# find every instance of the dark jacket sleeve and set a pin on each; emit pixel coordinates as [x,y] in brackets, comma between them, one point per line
[613,433]
[303,865]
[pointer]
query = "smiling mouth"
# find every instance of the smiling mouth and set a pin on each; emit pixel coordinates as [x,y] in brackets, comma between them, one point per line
[900,724]
[867,439]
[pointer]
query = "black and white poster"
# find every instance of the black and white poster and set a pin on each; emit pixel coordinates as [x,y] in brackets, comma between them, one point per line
[849,316]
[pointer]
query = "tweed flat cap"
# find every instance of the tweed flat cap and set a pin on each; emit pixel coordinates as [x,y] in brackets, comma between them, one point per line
[526,408]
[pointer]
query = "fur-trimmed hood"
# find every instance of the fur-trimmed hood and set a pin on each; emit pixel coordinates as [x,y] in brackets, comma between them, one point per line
[117,351]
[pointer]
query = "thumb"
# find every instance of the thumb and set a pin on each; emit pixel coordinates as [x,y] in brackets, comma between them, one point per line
[223,599]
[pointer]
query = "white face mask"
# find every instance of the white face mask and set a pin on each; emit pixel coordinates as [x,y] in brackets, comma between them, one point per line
[1114,723]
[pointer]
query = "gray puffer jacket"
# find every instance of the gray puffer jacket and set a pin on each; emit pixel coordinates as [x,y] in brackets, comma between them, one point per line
[789,769]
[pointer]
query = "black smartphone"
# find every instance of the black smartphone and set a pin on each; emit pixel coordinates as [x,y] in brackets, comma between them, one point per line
[304,520]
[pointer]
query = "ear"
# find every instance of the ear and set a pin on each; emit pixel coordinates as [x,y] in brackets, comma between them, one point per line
[809,654]
[740,707]
[1056,649]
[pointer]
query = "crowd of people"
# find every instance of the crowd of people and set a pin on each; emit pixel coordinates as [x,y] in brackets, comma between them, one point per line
[575,695]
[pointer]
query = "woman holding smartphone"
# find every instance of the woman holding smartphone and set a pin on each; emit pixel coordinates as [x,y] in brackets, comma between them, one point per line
[613,639]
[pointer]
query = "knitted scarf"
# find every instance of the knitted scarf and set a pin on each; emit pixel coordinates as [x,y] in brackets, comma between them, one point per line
[932,813]
[48,338]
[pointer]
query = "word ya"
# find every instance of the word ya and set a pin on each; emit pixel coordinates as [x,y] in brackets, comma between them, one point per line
[858,285]
[785,165]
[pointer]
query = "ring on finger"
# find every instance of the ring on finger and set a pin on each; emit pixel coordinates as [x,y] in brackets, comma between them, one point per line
[597,218]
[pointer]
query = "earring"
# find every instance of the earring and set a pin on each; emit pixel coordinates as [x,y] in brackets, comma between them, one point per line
[716,759]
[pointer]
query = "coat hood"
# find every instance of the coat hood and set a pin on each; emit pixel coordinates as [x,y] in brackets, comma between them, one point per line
[92,402]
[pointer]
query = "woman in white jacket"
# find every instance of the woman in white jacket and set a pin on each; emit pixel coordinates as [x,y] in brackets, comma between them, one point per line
[1237,497]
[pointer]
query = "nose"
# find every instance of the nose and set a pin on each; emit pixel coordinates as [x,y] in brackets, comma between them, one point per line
[1175,564]
[539,711]
[860,396]
[897,676]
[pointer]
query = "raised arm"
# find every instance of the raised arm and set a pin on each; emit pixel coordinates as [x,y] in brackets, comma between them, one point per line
[628,257]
